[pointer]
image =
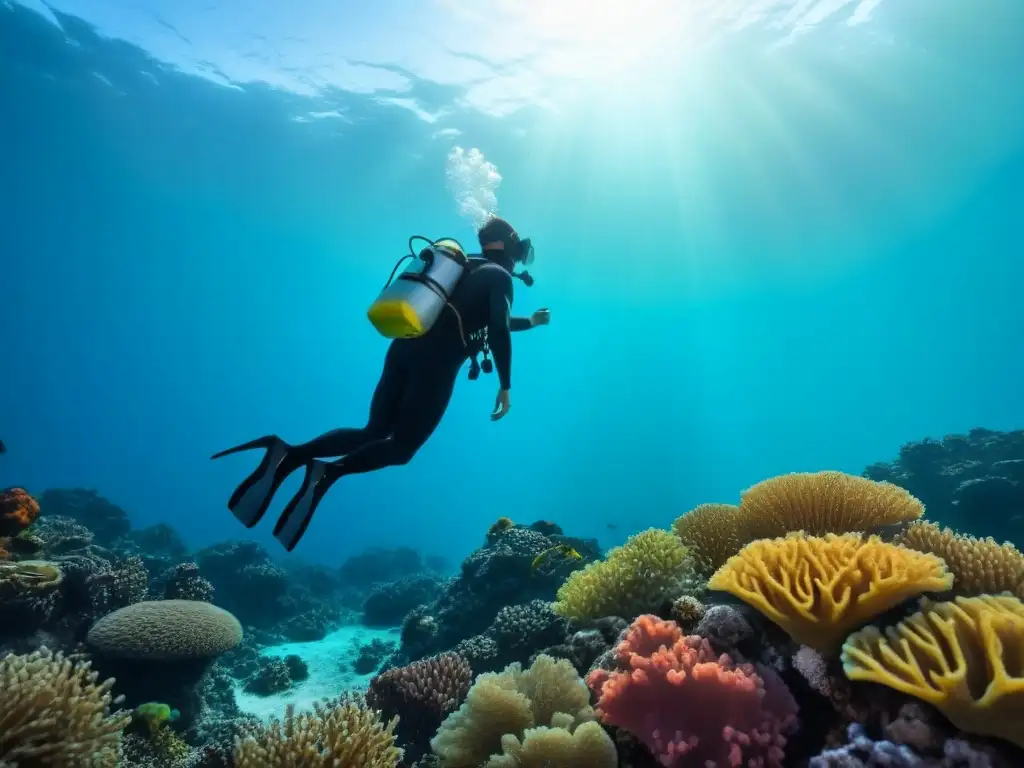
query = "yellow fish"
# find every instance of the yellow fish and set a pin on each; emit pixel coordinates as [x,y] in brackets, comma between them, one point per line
[561,549]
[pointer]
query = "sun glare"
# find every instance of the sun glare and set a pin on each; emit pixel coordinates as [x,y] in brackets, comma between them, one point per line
[603,39]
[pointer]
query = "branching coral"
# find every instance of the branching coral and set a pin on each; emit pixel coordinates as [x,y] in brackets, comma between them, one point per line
[502,707]
[339,734]
[965,657]
[422,695]
[981,566]
[690,706]
[652,567]
[53,713]
[819,588]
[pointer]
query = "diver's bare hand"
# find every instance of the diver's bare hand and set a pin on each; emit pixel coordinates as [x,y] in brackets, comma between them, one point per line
[502,403]
[541,317]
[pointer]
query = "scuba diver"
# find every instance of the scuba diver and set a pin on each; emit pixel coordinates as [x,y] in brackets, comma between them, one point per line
[471,315]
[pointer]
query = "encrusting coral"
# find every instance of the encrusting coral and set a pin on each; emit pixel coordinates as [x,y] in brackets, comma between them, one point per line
[54,713]
[965,657]
[502,721]
[690,705]
[650,568]
[343,733]
[819,588]
[980,566]
[816,503]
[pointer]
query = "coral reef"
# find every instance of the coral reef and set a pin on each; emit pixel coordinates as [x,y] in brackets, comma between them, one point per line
[964,657]
[53,712]
[493,577]
[421,695]
[340,734]
[504,711]
[650,568]
[691,706]
[973,483]
[820,588]
[822,620]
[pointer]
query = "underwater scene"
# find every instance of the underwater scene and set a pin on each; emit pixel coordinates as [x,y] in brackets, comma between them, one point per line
[491,384]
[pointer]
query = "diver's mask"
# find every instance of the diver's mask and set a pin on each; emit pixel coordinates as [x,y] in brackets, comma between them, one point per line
[525,256]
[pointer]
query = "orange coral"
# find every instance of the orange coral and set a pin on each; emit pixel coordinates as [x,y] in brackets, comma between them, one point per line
[18,510]
[691,706]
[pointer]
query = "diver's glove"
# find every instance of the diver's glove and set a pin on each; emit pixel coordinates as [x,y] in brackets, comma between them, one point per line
[541,317]
[502,403]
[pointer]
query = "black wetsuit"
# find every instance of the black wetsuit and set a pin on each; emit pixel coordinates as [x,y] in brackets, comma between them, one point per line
[419,376]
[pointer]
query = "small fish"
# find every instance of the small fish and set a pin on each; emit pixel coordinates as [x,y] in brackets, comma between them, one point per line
[564,550]
[612,526]
[3,448]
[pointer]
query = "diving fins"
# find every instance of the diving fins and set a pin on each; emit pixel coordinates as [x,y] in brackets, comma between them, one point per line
[292,524]
[252,497]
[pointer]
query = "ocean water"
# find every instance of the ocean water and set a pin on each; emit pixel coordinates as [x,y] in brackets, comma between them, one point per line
[774,236]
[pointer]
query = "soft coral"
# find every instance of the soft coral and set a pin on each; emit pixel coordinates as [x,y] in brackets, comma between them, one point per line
[690,706]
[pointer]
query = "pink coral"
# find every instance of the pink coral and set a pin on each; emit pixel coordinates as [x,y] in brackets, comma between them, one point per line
[691,707]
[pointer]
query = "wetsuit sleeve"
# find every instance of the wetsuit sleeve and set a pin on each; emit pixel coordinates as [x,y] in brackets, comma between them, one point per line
[499,330]
[520,324]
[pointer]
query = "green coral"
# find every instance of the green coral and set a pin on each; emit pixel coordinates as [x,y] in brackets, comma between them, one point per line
[652,567]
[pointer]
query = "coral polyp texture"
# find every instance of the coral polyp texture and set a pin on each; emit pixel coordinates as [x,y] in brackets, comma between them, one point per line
[651,567]
[691,706]
[340,734]
[819,588]
[54,712]
[508,718]
[965,657]
[824,502]
[813,502]
[721,642]
[981,566]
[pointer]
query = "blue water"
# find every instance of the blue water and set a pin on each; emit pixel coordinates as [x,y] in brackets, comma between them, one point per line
[788,244]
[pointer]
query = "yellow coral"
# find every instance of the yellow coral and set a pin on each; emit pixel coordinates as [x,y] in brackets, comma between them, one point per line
[965,657]
[823,502]
[818,589]
[651,567]
[53,713]
[981,566]
[713,531]
[340,734]
[503,706]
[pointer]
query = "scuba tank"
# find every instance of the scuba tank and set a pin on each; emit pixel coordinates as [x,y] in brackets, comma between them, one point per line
[409,305]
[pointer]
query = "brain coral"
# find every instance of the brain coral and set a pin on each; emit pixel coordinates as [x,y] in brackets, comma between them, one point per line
[965,657]
[818,589]
[166,630]
[651,567]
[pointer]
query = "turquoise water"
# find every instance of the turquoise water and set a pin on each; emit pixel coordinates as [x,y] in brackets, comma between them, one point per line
[774,236]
